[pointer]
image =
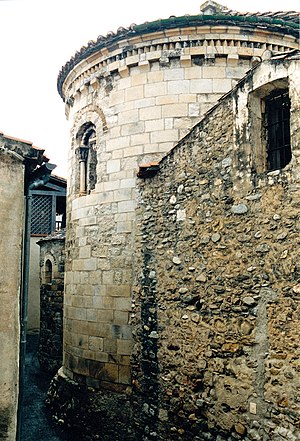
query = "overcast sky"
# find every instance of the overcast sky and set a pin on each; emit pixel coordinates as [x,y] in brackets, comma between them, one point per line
[39,36]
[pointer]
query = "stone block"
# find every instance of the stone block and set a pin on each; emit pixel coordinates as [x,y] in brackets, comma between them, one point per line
[164,136]
[155,89]
[126,206]
[133,128]
[124,347]
[91,315]
[123,304]
[154,124]
[185,61]
[123,194]
[125,83]
[201,86]
[133,151]
[155,76]
[138,79]
[117,154]
[173,74]
[187,98]
[116,97]
[110,373]
[141,138]
[113,166]
[169,123]
[167,99]
[124,227]
[122,291]
[129,116]
[172,110]
[145,102]
[128,183]
[118,143]
[213,72]
[124,375]
[194,72]
[221,86]
[90,264]
[85,252]
[136,92]
[98,302]
[92,220]
[95,344]
[150,113]
[110,345]
[105,316]
[178,87]
[121,317]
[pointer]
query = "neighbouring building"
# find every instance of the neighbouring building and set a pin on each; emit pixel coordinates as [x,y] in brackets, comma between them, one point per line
[22,166]
[48,215]
[130,97]
[52,267]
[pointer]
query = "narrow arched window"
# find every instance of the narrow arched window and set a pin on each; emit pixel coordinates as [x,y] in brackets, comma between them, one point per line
[48,271]
[87,157]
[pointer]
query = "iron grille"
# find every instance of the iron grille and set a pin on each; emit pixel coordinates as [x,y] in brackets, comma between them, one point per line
[41,214]
[278,129]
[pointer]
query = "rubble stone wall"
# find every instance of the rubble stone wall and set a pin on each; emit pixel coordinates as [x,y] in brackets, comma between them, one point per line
[142,95]
[217,299]
[52,249]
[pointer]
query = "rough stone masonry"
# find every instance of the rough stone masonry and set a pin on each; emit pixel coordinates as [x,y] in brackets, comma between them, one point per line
[130,97]
[217,296]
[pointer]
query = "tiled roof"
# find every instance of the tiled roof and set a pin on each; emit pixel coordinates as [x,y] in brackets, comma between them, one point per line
[287,22]
[56,235]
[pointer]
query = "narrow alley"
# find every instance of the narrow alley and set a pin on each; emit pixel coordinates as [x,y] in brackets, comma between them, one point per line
[36,424]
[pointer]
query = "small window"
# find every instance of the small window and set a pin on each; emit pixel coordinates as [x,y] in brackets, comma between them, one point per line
[48,272]
[87,155]
[277,129]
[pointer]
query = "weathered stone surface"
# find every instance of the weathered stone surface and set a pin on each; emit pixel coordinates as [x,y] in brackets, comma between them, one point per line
[229,328]
[50,352]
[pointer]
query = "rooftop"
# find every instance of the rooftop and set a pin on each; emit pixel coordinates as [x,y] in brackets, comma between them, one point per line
[211,13]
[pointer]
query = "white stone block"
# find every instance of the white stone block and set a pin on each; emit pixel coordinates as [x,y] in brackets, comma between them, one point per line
[173,74]
[126,206]
[113,166]
[178,87]
[201,86]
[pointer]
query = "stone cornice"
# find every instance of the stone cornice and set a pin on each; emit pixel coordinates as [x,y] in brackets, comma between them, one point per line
[286,23]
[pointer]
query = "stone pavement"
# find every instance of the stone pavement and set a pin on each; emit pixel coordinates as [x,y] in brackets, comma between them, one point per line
[36,424]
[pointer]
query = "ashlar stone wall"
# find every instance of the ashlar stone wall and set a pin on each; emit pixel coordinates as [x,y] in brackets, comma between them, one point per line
[217,298]
[139,96]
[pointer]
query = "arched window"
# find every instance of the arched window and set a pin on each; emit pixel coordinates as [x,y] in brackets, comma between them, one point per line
[48,271]
[87,157]
[269,120]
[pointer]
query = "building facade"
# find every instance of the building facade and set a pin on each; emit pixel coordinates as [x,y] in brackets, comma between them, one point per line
[18,163]
[130,97]
[48,215]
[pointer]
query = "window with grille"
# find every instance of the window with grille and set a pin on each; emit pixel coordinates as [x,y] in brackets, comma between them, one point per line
[278,129]
[41,214]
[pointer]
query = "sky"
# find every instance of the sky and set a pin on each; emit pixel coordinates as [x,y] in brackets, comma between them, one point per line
[38,37]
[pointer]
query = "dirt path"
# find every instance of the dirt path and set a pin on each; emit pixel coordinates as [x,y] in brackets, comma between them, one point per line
[36,425]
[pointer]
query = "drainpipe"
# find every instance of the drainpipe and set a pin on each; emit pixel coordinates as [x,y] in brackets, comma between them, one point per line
[38,182]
